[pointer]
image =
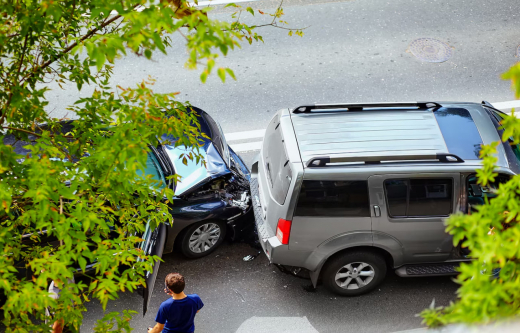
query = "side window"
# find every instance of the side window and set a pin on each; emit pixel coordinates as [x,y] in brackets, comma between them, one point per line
[333,199]
[419,197]
[477,194]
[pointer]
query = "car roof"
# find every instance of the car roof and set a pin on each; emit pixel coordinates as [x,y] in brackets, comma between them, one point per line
[368,133]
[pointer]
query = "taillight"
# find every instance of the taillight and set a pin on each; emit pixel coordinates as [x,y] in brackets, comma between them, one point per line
[283,230]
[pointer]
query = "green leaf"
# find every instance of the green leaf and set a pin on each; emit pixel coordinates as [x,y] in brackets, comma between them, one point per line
[89,186]
[82,263]
[231,73]
[222,74]
[204,76]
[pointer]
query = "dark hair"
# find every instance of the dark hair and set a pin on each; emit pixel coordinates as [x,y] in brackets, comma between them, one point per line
[175,282]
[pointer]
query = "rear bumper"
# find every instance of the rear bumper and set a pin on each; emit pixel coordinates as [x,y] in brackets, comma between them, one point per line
[275,251]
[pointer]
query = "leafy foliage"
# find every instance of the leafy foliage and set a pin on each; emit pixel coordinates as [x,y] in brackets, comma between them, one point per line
[492,234]
[76,195]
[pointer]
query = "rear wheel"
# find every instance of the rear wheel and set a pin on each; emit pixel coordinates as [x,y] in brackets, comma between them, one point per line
[354,273]
[202,238]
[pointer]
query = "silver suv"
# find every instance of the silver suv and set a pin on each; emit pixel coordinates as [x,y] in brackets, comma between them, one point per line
[349,191]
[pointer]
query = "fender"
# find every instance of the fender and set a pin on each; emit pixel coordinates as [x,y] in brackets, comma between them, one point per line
[352,240]
[391,245]
[185,213]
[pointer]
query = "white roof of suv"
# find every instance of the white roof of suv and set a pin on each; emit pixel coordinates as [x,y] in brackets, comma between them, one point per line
[364,134]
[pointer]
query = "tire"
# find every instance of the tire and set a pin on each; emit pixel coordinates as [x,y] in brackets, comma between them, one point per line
[348,265]
[207,244]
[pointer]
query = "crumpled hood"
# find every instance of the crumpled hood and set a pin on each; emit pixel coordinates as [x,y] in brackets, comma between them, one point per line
[193,174]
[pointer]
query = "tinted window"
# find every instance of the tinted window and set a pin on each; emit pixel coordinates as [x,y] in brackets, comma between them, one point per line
[510,147]
[333,198]
[397,196]
[460,132]
[419,197]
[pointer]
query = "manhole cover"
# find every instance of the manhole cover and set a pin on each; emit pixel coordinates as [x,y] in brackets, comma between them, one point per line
[430,50]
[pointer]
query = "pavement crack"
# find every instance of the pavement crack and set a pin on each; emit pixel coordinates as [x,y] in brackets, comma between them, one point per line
[239,294]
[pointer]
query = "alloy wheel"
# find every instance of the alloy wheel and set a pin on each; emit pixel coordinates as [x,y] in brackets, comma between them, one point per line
[354,275]
[204,237]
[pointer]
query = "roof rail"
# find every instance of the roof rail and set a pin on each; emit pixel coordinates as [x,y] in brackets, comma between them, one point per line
[489,105]
[322,161]
[361,106]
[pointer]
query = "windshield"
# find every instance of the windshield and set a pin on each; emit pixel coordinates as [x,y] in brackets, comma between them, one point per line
[511,149]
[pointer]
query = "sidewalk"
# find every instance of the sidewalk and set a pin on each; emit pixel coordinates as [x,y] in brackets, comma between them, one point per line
[492,328]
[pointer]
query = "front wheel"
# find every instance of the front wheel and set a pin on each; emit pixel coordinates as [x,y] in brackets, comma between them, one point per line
[354,273]
[202,238]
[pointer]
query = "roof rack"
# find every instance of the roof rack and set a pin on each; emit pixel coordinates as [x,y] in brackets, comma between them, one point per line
[489,105]
[322,161]
[361,106]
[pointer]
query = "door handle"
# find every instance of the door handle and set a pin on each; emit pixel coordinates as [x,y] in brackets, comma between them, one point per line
[377,211]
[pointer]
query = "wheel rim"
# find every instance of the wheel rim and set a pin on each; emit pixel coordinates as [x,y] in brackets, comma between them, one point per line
[354,275]
[204,237]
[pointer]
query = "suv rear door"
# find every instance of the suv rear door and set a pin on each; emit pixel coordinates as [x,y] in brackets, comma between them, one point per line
[410,209]
[327,209]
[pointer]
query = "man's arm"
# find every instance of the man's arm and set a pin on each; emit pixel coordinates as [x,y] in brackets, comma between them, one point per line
[57,327]
[156,329]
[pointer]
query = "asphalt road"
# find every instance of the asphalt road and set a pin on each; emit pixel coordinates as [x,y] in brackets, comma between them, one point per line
[352,51]
[252,296]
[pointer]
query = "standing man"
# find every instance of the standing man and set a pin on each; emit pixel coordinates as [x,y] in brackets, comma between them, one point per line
[176,315]
[59,326]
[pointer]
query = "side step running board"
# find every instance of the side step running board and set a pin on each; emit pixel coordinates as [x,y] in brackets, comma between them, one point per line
[428,270]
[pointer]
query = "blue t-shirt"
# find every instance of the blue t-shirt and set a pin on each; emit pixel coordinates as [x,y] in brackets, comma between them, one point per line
[177,315]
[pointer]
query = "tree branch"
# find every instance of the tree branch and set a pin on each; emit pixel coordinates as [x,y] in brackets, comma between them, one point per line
[24,49]
[32,133]
[73,45]
[71,18]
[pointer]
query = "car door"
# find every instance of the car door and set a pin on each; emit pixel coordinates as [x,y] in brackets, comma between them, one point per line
[153,245]
[410,209]
[331,212]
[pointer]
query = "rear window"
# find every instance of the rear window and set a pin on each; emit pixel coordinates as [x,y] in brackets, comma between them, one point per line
[460,132]
[277,166]
[419,197]
[333,198]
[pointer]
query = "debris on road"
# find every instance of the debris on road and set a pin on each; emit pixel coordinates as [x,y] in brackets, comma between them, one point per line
[250,257]
[239,294]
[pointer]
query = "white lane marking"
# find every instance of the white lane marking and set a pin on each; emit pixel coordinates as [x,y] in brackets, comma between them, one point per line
[245,135]
[506,105]
[243,147]
[277,324]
